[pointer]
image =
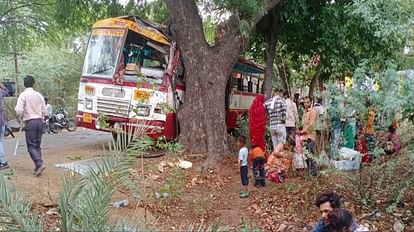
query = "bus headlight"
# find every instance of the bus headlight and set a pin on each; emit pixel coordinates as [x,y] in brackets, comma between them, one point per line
[143,111]
[88,104]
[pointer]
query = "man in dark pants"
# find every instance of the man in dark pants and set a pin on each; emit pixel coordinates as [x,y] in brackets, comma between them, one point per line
[309,131]
[31,107]
[259,172]
[310,146]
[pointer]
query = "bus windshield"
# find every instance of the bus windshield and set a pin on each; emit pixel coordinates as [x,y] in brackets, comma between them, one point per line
[103,52]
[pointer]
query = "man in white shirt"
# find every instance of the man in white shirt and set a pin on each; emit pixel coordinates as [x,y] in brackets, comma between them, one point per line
[291,117]
[48,109]
[31,107]
[48,113]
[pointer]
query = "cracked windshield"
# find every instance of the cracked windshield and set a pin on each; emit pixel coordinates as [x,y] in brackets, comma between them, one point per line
[103,51]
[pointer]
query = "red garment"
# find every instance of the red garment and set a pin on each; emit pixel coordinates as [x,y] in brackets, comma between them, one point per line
[257,122]
[362,147]
[277,177]
[393,137]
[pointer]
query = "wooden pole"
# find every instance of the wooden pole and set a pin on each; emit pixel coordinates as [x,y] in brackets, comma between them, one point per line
[16,69]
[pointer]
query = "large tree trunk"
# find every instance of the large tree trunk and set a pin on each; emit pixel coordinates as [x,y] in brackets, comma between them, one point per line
[202,118]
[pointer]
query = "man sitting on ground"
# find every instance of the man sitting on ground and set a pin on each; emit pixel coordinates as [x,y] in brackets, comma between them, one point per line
[326,203]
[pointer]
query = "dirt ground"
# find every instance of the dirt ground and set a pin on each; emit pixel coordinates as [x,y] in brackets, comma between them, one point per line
[56,149]
[212,199]
[166,197]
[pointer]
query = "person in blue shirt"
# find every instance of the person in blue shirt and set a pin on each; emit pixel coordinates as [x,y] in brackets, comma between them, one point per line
[327,202]
[242,160]
[3,162]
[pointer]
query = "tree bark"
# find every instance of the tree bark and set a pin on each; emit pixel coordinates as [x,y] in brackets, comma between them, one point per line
[314,82]
[207,69]
[270,57]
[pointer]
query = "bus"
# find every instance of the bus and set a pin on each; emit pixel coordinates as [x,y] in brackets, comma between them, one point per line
[245,83]
[133,75]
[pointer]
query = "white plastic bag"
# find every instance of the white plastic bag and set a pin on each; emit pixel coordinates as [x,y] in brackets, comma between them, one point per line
[299,161]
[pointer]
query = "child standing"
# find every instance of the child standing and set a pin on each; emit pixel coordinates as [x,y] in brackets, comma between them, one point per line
[242,160]
[257,157]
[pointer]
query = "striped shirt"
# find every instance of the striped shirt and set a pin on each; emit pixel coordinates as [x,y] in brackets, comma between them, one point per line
[276,108]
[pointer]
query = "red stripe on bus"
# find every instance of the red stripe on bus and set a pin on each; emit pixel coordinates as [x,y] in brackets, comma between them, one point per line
[127,83]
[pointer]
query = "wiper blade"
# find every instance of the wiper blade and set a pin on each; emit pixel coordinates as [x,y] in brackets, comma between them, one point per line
[101,71]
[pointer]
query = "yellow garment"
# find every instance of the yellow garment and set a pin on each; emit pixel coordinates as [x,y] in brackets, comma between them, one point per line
[309,120]
[369,126]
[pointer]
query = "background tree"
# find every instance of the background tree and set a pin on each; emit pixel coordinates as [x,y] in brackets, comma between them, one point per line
[23,23]
[47,39]
[343,33]
[202,118]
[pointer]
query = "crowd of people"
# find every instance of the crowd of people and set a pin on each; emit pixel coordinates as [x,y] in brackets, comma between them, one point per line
[300,130]
[288,136]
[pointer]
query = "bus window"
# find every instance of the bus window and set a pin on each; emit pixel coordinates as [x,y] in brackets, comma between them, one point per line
[261,85]
[254,84]
[238,82]
[250,84]
[102,54]
[144,57]
[132,49]
[245,82]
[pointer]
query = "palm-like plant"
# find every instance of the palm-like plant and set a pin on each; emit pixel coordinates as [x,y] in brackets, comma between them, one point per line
[15,211]
[85,202]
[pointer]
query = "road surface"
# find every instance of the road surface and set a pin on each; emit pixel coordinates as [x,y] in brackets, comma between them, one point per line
[56,149]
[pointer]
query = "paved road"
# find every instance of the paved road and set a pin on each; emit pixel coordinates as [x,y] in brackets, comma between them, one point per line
[62,141]
[56,149]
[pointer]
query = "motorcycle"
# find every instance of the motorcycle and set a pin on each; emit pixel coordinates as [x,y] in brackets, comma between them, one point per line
[60,120]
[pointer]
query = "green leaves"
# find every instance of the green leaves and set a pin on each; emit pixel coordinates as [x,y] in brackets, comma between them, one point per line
[15,211]
[244,9]
[85,201]
[345,33]
[56,71]
[26,23]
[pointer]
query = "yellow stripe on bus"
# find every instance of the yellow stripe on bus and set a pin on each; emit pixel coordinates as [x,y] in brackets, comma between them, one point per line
[148,32]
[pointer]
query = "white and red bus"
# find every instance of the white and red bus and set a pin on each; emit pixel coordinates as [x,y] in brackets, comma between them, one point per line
[245,83]
[133,73]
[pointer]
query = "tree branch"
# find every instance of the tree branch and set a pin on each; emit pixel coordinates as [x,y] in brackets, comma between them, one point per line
[232,37]
[268,5]
[22,6]
[184,17]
